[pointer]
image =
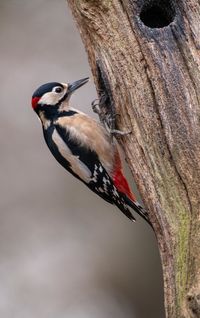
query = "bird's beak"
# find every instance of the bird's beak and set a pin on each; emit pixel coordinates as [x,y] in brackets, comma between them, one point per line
[72,87]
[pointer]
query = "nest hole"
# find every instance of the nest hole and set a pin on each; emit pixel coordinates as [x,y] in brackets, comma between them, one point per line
[158,13]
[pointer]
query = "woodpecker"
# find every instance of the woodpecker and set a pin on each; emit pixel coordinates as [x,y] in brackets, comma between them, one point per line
[83,146]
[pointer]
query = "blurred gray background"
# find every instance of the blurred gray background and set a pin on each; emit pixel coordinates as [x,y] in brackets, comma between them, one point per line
[63,251]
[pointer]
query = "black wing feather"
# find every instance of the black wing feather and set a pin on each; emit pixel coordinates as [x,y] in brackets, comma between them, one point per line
[100,183]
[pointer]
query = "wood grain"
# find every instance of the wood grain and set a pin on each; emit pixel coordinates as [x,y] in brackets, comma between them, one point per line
[154,79]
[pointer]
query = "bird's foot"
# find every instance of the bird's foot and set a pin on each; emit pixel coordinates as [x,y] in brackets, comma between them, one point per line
[98,103]
[108,119]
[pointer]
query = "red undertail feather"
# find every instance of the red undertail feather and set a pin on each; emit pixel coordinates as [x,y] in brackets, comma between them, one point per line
[123,187]
[119,179]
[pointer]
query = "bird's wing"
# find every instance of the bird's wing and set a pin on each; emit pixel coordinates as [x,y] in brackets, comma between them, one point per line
[86,165]
[91,134]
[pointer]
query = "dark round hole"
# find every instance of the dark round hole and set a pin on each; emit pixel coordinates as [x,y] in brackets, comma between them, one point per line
[157,13]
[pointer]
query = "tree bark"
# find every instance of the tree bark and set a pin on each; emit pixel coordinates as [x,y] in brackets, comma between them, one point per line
[144,53]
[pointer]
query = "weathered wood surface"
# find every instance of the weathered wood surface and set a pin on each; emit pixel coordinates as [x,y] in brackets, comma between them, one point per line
[153,72]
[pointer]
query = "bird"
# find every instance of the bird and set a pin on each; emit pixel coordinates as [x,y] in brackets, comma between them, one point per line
[83,146]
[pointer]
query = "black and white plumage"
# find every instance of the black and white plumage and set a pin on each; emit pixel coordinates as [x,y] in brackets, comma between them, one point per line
[82,146]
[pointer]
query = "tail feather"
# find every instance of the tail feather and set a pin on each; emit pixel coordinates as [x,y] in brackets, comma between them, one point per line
[135,205]
[127,212]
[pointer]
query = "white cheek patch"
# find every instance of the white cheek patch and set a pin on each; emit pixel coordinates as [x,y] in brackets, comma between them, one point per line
[77,166]
[50,98]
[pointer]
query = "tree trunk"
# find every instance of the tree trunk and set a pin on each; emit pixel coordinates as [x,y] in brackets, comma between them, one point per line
[144,54]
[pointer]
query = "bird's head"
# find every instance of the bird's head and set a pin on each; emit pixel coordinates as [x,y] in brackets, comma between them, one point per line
[54,96]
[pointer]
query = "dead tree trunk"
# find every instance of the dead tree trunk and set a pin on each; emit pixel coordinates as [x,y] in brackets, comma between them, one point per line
[144,53]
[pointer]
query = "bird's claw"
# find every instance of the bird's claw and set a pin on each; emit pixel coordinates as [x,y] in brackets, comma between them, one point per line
[98,102]
[107,120]
[95,106]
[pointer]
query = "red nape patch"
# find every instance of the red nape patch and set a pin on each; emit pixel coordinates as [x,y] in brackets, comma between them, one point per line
[119,179]
[35,102]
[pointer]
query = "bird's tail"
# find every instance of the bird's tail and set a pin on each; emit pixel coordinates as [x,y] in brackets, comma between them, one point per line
[128,197]
[135,205]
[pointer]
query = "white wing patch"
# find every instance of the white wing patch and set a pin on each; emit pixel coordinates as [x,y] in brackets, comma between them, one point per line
[77,165]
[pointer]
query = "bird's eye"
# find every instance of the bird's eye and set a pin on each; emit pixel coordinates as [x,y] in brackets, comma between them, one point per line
[57,89]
